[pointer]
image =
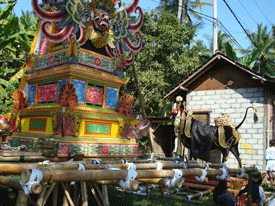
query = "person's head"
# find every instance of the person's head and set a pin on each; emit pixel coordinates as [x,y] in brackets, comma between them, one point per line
[257,178]
[272,143]
[222,185]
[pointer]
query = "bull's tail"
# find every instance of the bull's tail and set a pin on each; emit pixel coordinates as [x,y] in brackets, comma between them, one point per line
[255,116]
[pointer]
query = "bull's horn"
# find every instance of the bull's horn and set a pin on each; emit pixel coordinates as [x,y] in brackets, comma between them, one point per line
[255,115]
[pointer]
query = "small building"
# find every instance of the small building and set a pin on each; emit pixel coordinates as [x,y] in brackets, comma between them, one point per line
[221,85]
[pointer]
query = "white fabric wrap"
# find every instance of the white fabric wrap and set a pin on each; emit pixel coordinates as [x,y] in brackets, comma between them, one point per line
[97,161]
[224,174]
[124,161]
[132,174]
[201,178]
[131,166]
[189,197]
[242,173]
[172,183]
[159,166]
[35,178]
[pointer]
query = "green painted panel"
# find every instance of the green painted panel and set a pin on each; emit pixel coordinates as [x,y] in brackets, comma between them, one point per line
[98,128]
[37,124]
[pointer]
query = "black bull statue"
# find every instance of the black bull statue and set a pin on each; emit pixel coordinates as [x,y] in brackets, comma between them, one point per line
[203,138]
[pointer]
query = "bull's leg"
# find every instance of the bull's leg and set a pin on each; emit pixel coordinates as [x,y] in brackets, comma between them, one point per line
[235,151]
[224,155]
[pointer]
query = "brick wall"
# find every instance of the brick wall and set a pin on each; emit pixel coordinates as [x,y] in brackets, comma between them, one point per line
[234,102]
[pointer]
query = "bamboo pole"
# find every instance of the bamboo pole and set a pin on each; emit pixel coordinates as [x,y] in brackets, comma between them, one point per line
[10,182]
[133,183]
[55,195]
[48,193]
[96,175]
[17,168]
[75,195]
[94,193]
[161,181]
[199,194]
[105,195]
[67,194]
[84,195]
[66,190]
[22,199]
[41,197]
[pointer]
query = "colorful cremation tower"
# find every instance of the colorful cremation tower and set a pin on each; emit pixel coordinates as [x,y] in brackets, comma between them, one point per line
[72,81]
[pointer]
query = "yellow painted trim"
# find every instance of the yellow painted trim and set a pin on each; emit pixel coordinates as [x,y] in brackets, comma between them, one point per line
[25,124]
[113,134]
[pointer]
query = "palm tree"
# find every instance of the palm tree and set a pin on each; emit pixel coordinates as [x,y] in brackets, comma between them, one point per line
[187,6]
[223,40]
[260,55]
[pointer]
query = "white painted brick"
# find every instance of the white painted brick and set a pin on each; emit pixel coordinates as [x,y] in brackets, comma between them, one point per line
[237,105]
[210,92]
[236,95]
[260,131]
[226,96]
[220,101]
[230,101]
[188,98]
[210,102]
[194,107]
[257,125]
[242,130]
[257,136]
[215,97]
[225,106]
[215,106]
[235,115]
[230,111]
[220,91]
[250,162]
[205,106]
[260,152]
[229,91]
[252,141]
[260,141]
[257,146]
[245,156]
[206,97]
[196,98]
[200,93]
[201,102]
[192,93]
[257,157]
[245,105]
[252,131]
[245,136]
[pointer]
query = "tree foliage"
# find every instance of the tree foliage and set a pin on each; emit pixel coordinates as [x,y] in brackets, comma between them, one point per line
[167,56]
[16,37]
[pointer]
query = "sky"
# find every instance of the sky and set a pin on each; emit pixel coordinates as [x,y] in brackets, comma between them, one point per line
[249,12]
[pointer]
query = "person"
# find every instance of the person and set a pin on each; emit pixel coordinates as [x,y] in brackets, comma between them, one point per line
[258,196]
[270,165]
[222,196]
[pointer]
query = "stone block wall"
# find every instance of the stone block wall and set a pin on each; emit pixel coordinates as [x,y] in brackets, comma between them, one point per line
[234,102]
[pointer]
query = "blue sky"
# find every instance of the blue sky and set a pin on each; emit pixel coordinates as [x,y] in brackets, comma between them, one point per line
[249,12]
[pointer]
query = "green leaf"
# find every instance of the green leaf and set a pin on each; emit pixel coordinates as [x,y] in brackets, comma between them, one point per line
[7,10]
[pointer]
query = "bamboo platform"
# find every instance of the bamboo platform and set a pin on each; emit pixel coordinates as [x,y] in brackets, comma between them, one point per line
[92,176]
